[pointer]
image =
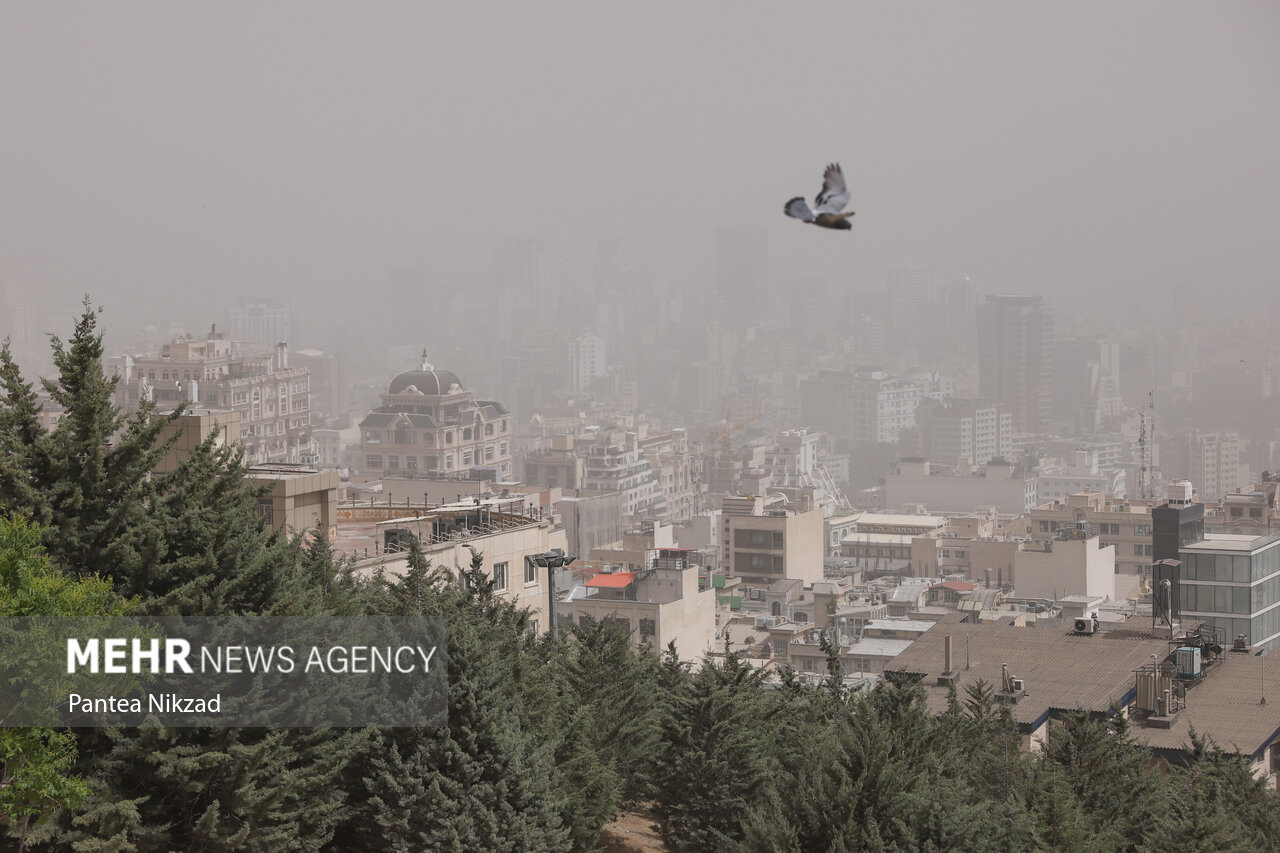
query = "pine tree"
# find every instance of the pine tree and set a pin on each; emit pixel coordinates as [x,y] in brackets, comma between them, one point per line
[488,780]
[97,476]
[713,771]
[24,452]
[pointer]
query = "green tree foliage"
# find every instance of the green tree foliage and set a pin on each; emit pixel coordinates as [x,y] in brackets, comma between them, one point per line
[96,475]
[36,777]
[711,773]
[24,452]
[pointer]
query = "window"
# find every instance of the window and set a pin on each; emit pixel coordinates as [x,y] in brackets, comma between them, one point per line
[488,453]
[393,463]
[466,459]
[466,434]
[648,628]
[1044,527]
[411,462]
[1137,550]
[488,429]
[265,512]
[502,449]
[499,577]
[530,572]
[448,437]
[373,461]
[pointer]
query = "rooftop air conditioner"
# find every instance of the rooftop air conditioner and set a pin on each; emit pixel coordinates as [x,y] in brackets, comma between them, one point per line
[1085,625]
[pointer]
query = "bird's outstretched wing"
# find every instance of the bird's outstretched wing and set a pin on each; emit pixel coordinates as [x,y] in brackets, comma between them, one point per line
[797,209]
[833,196]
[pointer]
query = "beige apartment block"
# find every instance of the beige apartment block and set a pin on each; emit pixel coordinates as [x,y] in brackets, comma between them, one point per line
[764,543]
[192,430]
[657,605]
[1073,565]
[557,465]
[936,556]
[917,481]
[300,498]
[889,535]
[502,531]
[1126,524]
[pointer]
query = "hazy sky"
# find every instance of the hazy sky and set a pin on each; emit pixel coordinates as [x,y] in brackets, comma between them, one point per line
[163,149]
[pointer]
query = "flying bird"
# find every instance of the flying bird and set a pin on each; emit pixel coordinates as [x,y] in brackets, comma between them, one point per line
[827,205]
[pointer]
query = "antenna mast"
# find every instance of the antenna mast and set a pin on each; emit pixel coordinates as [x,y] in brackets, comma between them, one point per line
[1151,448]
[1142,454]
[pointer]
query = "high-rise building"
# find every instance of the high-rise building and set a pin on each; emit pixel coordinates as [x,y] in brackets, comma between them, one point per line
[865,406]
[1213,463]
[586,361]
[258,321]
[968,430]
[1015,358]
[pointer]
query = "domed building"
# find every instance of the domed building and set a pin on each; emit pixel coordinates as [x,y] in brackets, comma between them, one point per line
[430,425]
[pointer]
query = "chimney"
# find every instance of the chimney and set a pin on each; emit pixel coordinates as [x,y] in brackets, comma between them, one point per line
[948,676]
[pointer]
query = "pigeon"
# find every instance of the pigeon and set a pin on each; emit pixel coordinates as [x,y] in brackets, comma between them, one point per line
[827,205]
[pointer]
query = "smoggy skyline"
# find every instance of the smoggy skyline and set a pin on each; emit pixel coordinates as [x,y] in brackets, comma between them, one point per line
[168,158]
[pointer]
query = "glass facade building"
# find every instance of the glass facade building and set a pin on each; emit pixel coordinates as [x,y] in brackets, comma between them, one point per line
[1232,581]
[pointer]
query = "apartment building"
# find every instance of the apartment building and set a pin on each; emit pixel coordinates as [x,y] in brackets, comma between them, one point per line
[1126,524]
[865,406]
[917,481]
[272,398]
[764,542]
[505,532]
[1015,358]
[966,432]
[661,603]
[613,461]
[1071,563]
[555,465]
[429,423]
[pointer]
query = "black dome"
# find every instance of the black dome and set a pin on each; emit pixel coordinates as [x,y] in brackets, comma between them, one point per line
[432,383]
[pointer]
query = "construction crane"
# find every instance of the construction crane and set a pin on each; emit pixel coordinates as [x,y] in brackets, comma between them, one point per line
[725,437]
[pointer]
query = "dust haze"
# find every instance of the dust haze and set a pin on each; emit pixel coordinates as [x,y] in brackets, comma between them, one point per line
[491,182]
